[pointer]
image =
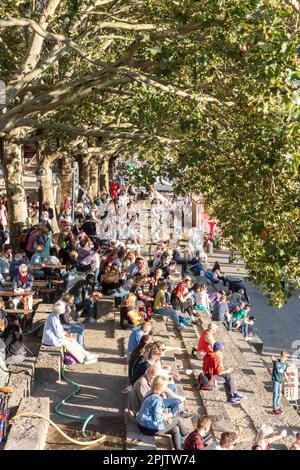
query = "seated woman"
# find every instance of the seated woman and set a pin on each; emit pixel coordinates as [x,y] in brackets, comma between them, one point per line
[36,259]
[163,308]
[54,335]
[129,312]
[216,271]
[137,356]
[153,421]
[67,319]
[202,299]
[112,284]
[14,341]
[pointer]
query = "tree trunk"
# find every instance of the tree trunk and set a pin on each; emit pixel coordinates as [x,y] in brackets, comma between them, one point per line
[84,171]
[65,176]
[17,207]
[104,175]
[48,192]
[94,178]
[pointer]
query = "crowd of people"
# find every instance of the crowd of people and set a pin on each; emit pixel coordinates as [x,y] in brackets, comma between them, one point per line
[99,254]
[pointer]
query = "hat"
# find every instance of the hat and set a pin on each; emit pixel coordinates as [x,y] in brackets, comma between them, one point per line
[217,346]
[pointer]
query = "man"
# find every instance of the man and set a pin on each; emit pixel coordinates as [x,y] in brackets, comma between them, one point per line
[89,226]
[213,367]
[136,335]
[137,268]
[140,389]
[220,308]
[195,440]
[206,340]
[23,282]
[278,374]
[227,442]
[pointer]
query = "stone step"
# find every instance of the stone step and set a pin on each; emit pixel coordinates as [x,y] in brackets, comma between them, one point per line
[251,376]
[30,433]
[48,365]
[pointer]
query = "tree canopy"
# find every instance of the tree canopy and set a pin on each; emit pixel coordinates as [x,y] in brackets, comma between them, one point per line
[206,92]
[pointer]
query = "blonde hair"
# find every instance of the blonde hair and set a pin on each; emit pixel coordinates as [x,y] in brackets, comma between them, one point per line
[39,248]
[130,300]
[159,384]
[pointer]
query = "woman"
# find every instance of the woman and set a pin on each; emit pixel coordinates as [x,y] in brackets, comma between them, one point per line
[112,284]
[216,270]
[137,355]
[54,335]
[67,319]
[266,436]
[66,242]
[202,299]
[181,297]
[153,421]
[129,312]
[38,258]
[161,307]
[14,341]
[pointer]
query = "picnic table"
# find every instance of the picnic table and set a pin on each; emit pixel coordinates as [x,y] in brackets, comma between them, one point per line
[49,266]
[25,295]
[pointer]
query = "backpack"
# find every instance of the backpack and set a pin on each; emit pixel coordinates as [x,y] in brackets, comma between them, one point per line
[205,382]
[69,360]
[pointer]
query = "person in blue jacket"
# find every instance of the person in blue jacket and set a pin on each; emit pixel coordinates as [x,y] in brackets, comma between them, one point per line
[152,419]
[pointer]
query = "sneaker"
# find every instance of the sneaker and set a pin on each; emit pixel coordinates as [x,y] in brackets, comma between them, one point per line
[281,412]
[248,338]
[239,396]
[92,320]
[233,401]
[194,352]
[90,361]
[276,412]
[184,414]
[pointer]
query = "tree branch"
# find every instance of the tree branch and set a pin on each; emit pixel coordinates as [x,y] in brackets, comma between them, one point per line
[108,134]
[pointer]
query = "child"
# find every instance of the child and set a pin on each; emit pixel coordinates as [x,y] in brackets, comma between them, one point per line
[278,374]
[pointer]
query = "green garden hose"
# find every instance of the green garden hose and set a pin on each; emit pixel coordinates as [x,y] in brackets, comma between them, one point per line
[29,330]
[85,419]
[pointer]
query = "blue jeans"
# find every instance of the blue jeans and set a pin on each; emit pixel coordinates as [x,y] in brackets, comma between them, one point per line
[169,312]
[173,404]
[277,387]
[245,329]
[89,305]
[119,293]
[78,329]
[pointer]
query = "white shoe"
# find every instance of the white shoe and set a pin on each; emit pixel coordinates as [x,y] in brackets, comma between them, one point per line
[92,356]
[91,361]
[92,320]
[248,338]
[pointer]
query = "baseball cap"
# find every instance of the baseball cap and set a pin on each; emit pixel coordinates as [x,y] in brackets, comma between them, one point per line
[217,346]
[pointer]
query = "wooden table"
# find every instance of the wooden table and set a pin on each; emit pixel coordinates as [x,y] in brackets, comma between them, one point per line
[25,295]
[49,266]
